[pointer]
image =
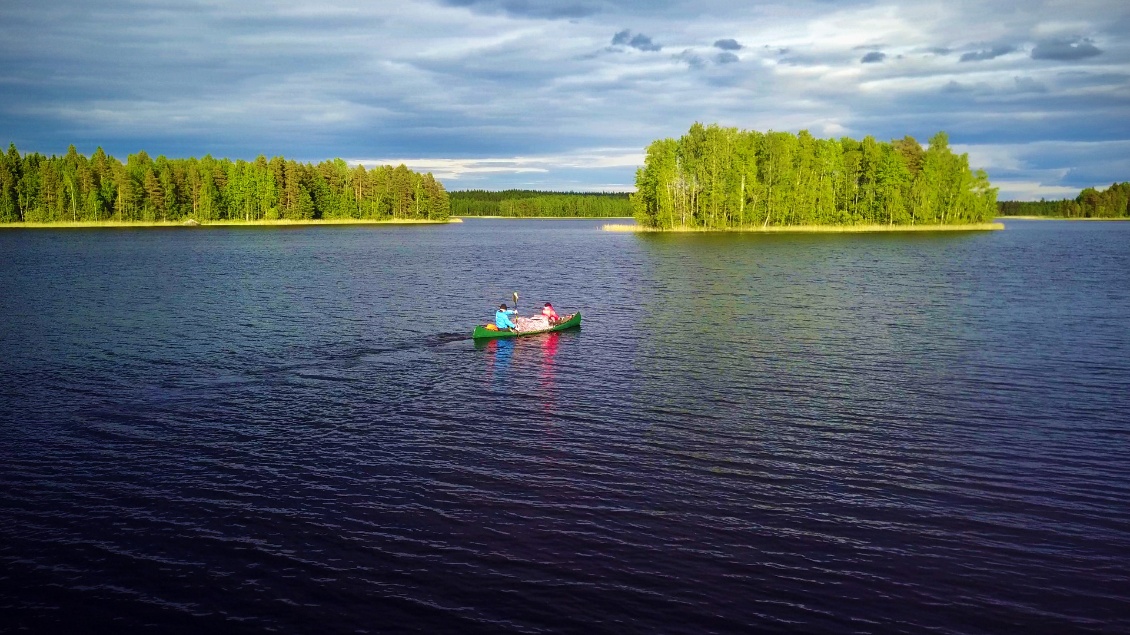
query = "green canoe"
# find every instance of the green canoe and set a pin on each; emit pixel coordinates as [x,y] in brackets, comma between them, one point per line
[570,321]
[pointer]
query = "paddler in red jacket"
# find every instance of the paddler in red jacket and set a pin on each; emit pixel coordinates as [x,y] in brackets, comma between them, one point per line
[549,313]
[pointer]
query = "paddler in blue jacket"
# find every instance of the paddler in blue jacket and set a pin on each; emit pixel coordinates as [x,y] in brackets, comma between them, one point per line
[502,318]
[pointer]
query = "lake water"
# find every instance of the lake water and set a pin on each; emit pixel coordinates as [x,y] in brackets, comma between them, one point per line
[241,430]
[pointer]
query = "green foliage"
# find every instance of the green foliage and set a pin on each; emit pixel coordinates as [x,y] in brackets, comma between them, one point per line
[723,178]
[74,188]
[531,203]
[1113,202]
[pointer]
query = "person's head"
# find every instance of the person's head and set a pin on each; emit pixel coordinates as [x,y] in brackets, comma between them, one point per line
[502,306]
[548,305]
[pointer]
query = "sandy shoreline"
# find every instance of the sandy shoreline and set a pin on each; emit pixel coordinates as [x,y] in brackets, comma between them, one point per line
[817,229]
[547,217]
[222,223]
[1059,218]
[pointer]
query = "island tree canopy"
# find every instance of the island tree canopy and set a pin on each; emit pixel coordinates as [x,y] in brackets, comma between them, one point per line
[725,178]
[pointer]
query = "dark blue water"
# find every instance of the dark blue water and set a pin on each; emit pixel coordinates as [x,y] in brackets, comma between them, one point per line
[243,430]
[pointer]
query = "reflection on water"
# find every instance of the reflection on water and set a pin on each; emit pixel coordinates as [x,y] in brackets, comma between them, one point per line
[800,323]
[547,373]
[534,354]
[499,353]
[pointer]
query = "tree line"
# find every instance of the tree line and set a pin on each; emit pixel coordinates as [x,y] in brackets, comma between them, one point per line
[37,188]
[1113,202]
[527,203]
[725,178]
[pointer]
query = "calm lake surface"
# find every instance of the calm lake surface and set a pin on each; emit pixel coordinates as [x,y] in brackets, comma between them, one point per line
[243,430]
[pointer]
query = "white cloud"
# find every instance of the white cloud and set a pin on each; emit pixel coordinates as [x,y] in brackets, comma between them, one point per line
[459,168]
[1030,171]
[1032,191]
[992,157]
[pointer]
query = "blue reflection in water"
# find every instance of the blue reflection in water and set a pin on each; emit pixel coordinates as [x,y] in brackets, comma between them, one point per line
[502,352]
[499,353]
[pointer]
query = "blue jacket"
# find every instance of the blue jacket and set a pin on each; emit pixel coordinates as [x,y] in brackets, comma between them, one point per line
[502,319]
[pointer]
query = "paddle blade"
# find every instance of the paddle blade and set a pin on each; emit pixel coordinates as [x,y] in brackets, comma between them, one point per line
[515,297]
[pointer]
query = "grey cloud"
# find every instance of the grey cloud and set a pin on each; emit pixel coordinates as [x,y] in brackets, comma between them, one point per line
[729,44]
[638,41]
[800,59]
[1065,50]
[873,57]
[987,54]
[693,60]
[726,57]
[553,9]
[1029,85]
[573,9]
[978,90]
[643,43]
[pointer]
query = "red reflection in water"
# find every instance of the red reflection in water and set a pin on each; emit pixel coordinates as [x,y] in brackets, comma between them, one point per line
[500,353]
[548,374]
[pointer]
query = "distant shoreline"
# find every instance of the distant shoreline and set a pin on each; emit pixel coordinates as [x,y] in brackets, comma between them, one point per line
[282,222]
[814,229]
[461,216]
[1063,218]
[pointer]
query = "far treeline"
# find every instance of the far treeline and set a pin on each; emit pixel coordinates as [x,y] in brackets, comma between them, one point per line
[528,203]
[1113,202]
[37,188]
[725,178]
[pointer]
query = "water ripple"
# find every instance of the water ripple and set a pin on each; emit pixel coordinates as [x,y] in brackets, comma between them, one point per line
[749,434]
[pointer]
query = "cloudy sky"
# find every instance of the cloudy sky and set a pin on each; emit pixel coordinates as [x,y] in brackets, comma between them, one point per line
[565,94]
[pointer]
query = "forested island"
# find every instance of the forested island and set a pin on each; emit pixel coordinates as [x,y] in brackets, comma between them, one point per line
[531,203]
[1113,202]
[715,178]
[73,188]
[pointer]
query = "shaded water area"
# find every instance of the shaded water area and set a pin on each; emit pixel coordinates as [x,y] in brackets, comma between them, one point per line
[239,430]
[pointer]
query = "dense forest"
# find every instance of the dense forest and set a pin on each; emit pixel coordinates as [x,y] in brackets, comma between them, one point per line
[36,188]
[526,203]
[725,178]
[1113,202]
